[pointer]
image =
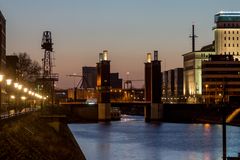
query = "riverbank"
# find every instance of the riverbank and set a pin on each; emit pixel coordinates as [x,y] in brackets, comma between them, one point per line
[30,137]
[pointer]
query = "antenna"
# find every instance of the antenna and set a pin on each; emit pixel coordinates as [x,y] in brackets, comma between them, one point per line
[193,36]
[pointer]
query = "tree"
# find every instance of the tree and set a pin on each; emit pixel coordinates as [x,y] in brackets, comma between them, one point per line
[28,70]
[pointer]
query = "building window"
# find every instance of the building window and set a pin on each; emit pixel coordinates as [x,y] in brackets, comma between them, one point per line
[225,32]
[237,53]
[237,32]
[233,38]
[232,32]
[237,38]
[229,45]
[225,53]
[233,45]
[237,45]
[228,32]
[233,53]
[225,38]
[225,45]
[229,38]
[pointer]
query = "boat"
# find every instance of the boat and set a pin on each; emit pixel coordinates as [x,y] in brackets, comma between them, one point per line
[115,114]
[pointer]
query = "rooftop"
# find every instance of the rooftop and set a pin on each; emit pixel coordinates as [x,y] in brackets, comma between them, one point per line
[227,16]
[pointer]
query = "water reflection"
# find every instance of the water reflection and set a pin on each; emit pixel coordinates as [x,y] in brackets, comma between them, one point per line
[132,138]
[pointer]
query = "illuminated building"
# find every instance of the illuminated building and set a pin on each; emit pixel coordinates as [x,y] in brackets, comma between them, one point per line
[227,33]
[221,79]
[192,85]
[220,73]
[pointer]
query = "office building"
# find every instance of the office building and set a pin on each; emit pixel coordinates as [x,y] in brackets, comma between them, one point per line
[227,33]
[192,73]
[221,79]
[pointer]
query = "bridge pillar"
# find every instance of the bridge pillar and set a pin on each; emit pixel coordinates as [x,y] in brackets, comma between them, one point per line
[155,112]
[103,86]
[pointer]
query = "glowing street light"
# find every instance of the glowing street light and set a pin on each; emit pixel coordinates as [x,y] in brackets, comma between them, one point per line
[9,82]
[16,85]
[1,77]
[12,97]
[19,86]
[23,98]
[25,90]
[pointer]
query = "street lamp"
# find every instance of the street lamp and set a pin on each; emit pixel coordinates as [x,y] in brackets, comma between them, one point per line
[25,90]
[19,86]
[16,85]
[9,82]
[206,93]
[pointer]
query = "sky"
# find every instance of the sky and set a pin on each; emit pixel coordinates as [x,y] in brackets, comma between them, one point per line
[128,29]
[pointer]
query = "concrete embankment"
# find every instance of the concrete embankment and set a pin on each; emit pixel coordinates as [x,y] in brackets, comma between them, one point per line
[31,137]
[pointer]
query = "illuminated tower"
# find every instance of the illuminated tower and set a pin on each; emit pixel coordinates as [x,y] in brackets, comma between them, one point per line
[103,86]
[227,33]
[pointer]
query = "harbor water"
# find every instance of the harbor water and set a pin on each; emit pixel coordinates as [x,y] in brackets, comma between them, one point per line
[133,139]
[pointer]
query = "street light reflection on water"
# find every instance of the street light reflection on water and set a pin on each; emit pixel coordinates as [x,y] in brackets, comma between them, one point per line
[132,138]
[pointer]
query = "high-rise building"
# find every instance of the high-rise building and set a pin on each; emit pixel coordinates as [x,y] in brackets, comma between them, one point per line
[227,33]
[2,42]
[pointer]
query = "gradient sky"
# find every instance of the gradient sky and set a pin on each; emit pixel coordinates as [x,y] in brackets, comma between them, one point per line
[128,29]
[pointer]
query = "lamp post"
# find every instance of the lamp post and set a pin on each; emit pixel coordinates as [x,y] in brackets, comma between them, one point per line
[206,99]
[8,82]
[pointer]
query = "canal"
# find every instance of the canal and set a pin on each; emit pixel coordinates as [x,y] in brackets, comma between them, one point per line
[133,139]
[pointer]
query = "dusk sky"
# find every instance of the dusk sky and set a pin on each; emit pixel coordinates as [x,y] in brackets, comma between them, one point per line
[128,29]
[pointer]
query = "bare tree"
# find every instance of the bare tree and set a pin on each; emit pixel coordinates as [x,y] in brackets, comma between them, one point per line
[28,70]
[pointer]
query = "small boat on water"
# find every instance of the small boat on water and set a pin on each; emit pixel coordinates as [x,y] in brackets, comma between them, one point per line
[115,115]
